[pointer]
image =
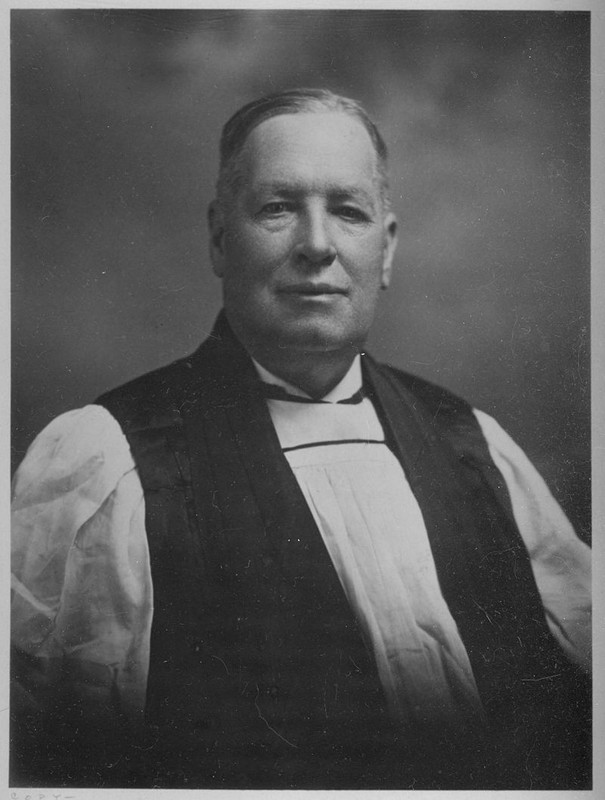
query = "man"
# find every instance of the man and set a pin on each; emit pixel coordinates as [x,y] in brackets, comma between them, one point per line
[278,564]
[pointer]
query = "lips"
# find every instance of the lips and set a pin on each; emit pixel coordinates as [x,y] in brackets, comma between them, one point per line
[312,289]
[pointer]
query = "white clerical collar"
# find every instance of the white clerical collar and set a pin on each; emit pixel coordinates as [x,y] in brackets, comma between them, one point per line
[347,387]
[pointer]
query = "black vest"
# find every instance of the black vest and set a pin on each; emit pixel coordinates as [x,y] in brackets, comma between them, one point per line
[259,676]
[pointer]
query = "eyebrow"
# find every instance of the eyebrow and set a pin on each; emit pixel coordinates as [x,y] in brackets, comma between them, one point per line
[294,189]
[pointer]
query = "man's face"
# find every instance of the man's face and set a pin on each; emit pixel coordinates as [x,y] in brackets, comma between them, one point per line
[306,244]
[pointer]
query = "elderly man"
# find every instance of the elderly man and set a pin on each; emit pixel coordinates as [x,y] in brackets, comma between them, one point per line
[279,564]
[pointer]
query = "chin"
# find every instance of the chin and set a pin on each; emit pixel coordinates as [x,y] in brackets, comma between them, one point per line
[308,334]
[316,338]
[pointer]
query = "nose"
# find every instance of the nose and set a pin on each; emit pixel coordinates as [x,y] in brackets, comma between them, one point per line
[314,244]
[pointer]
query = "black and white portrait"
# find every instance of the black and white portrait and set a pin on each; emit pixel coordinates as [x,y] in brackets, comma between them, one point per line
[301,399]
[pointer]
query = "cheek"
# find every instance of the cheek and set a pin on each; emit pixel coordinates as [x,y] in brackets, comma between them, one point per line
[257,251]
[365,260]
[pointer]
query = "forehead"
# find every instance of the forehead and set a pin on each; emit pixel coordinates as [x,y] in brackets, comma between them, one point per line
[310,147]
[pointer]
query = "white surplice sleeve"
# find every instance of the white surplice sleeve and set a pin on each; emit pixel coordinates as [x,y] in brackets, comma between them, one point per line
[561,562]
[81,579]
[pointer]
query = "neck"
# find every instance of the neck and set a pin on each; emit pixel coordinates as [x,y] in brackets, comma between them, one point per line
[314,373]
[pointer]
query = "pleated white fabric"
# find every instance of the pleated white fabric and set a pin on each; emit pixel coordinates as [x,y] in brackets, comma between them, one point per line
[374,532]
[375,535]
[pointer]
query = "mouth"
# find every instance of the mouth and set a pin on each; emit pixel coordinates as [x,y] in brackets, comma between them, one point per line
[309,289]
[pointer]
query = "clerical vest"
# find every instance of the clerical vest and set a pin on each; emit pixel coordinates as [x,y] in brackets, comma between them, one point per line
[259,674]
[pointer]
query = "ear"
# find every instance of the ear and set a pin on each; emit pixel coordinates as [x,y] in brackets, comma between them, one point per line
[390,244]
[216,231]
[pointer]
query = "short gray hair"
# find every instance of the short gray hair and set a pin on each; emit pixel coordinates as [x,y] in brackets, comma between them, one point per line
[293,101]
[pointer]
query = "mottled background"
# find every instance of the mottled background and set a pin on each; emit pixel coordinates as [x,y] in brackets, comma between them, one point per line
[115,122]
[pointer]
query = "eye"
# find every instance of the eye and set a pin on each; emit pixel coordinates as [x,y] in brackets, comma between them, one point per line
[352,213]
[275,208]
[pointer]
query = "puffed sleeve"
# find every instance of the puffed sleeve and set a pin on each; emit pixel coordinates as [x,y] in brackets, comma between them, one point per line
[81,580]
[561,562]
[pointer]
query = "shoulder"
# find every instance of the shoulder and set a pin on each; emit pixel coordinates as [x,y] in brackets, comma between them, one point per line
[445,408]
[457,416]
[443,415]
[216,373]
[154,399]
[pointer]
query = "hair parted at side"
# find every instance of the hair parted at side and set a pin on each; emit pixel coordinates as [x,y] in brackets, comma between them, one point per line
[292,101]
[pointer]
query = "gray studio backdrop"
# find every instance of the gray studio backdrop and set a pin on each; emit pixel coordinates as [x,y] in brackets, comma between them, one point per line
[115,122]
